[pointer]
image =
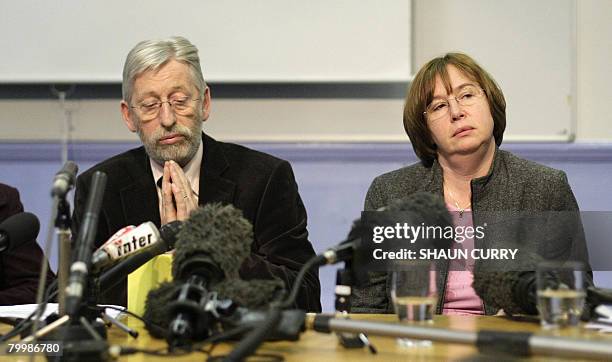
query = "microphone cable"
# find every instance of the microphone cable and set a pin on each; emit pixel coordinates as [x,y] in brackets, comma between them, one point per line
[256,337]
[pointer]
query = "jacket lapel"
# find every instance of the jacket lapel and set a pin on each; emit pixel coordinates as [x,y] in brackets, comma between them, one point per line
[139,198]
[213,186]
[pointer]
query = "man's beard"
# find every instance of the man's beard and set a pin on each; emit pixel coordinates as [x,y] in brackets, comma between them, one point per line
[181,152]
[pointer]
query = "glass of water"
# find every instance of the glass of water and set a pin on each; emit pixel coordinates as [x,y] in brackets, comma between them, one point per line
[560,293]
[414,295]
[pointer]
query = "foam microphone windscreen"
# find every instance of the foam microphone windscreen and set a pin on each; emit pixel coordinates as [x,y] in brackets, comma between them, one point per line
[423,207]
[251,294]
[504,290]
[217,231]
[415,209]
[18,229]
[429,207]
[156,313]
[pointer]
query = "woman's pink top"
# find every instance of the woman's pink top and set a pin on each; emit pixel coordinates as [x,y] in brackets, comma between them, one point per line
[459,296]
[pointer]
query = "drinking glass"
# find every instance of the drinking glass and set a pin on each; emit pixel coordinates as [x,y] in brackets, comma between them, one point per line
[414,294]
[560,293]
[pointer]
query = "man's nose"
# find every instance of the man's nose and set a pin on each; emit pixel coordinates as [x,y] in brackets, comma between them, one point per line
[456,111]
[166,115]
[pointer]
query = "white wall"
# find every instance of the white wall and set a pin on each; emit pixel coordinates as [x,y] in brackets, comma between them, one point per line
[594,30]
[339,119]
[240,40]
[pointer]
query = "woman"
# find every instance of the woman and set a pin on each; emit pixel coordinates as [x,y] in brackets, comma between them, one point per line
[454,115]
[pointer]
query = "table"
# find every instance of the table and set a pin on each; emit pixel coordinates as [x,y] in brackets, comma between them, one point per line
[319,347]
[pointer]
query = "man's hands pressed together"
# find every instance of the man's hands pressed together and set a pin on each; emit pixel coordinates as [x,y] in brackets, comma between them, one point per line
[178,200]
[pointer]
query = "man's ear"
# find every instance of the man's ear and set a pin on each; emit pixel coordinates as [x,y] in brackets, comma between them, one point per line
[128,118]
[205,104]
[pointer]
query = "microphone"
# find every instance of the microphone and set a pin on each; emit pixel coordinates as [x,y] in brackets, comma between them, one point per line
[421,206]
[212,245]
[132,240]
[131,262]
[512,291]
[251,294]
[210,249]
[64,179]
[79,269]
[18,229]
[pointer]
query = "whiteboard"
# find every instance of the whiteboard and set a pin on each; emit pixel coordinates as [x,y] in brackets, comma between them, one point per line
[79,41]
[529,47]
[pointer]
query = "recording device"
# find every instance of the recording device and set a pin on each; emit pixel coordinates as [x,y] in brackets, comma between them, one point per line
[79,270]
[18,229]
[64,179]
[342,303]
[134,240]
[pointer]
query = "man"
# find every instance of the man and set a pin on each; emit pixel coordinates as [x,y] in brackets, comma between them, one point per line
[20,267]
[165,100]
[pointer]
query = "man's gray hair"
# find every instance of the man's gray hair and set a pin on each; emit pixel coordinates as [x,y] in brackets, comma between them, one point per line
[152,54]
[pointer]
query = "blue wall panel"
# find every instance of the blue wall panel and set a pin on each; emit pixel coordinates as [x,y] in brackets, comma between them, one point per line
[333,180]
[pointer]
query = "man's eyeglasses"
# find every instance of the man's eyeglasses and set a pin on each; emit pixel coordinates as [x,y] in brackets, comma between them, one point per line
[466,97]
[181,105]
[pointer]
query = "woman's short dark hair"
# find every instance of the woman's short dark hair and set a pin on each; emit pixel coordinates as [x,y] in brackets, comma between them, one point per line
[421,92]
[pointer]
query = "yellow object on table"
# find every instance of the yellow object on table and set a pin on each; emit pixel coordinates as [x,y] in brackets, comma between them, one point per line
[145,278]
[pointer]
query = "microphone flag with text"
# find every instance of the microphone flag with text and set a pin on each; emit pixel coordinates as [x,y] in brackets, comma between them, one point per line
[210,248]
[133,240]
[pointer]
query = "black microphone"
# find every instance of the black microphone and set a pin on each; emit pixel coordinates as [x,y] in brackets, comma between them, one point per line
[254,294]
[512,291]
[64,179]
[210,249]
[79,269]
[212,245]
[167,238]
[18,229]
[422,207]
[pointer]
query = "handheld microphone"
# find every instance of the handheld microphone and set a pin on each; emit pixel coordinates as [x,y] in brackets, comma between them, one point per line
[132,240]
[129,263]
[79,269]
[64,179]
[18,229]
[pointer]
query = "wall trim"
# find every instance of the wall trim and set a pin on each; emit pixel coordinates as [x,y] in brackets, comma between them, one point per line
[319,152]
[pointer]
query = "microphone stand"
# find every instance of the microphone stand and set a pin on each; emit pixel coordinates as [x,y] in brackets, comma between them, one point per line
[78,326]
[62,223]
